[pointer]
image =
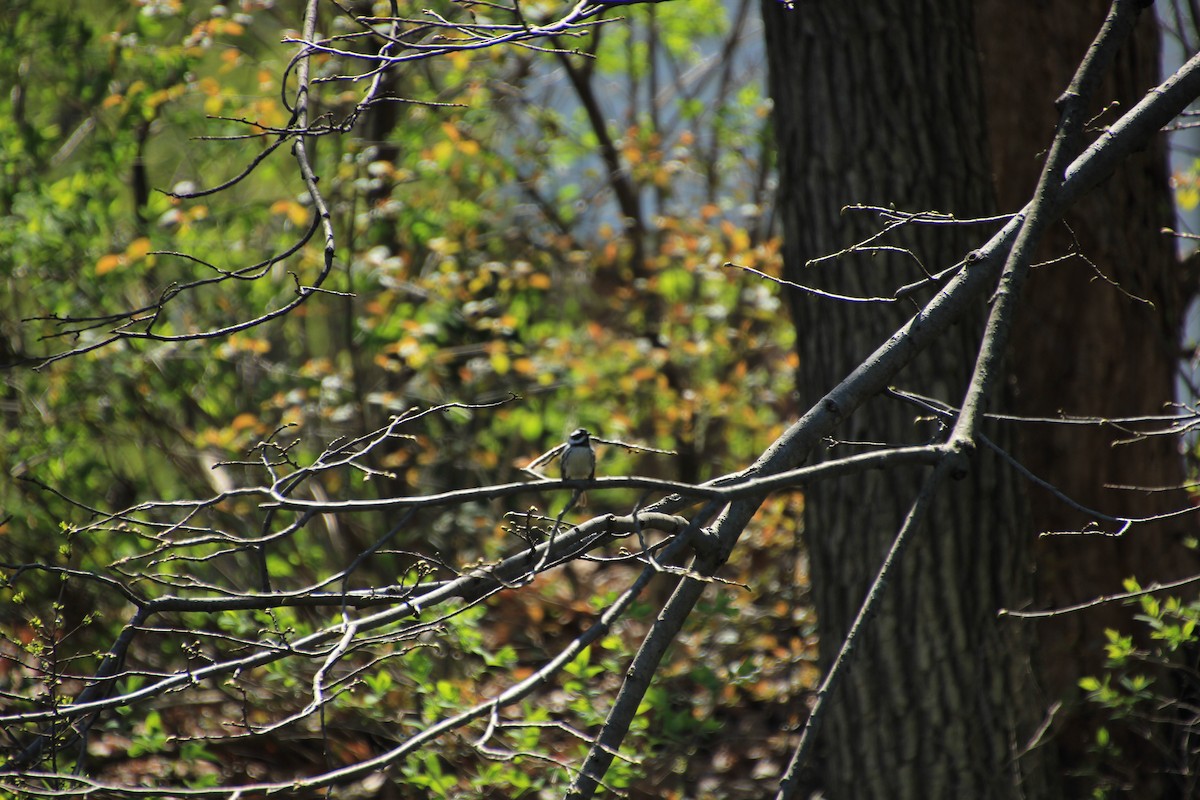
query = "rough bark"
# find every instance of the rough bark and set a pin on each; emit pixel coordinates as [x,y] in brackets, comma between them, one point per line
[1085,346]
[879,102]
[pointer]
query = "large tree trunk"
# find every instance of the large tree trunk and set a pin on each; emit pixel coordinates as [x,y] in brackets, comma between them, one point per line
[880,102]
[1084,346]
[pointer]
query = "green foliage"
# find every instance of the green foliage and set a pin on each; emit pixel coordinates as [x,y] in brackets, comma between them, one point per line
[1148,676]
[481,257]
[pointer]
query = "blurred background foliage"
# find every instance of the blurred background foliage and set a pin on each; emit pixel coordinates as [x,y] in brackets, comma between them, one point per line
[487,249]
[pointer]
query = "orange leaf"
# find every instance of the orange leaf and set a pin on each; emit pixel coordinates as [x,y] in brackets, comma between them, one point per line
[296,213]
[243,422]
[644,374]
[108,263]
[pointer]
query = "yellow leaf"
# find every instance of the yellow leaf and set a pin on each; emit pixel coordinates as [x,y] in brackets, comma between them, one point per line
[250,344]
[446,247]
[443,151]
[501,362]
[138,249]
[156,99]
[209,86]
[539,280]
[269,112]
[1188,198]
[216,438]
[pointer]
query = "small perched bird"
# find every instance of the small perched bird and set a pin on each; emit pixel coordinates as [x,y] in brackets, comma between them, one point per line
[578,461]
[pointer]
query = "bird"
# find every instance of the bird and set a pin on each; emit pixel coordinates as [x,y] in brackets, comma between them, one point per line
[578,460]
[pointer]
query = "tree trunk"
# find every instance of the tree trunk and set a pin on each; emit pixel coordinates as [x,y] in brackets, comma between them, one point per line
[879,102]
[1085,346]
